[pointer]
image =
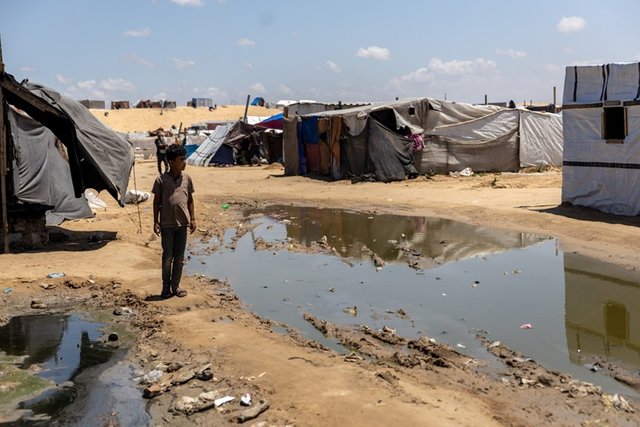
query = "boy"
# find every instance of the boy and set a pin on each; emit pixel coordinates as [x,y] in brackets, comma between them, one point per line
[173,212]
[161,153]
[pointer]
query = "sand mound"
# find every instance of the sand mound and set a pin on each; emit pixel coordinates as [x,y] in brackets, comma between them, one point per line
[145,119]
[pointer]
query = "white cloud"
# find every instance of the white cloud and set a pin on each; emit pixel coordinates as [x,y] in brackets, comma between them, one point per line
[248,65]
[135,58]
[188,2]
[216,93]
[27,69]
[160,95]
[570,24]
[460,66]
[511,53]
[374,52]
[553,68]
[285,90]
[116,85]
[245,42]
[332,66]
[62,79]
[183,63]
[258,88]
[421,75]
[569,51]
[141,32]
[87,84]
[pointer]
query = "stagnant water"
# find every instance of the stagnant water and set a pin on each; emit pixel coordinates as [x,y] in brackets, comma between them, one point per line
[89,384]
[487,280]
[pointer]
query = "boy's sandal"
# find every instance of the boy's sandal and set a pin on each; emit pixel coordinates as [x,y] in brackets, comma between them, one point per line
[180,293]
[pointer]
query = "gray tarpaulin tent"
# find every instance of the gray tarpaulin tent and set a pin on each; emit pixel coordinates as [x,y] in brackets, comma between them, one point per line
[456,136]
[601,164]
[95,156]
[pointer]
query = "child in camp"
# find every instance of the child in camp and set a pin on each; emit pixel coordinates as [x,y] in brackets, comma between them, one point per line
[173,213]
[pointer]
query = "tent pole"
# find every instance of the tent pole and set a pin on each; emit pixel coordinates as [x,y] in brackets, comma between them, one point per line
[246,108]
[3,164]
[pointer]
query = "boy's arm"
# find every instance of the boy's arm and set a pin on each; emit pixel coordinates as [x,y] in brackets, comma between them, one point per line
[192,213]
[156,213]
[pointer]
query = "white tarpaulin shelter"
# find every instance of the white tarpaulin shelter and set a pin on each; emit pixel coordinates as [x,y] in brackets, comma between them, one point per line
[601,164]
[208,148]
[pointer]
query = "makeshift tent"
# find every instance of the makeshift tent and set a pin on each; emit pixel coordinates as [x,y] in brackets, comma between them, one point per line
[446,136]
[258,101]
[233,143]
[273,122]
[96,156]
[601,163]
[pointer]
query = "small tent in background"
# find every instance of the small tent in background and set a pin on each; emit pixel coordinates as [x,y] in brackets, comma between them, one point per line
[258,101]
[60,150]
[601,164]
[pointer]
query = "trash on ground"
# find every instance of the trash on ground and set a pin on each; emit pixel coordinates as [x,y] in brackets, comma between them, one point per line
[526,326]
[7,290]
[136,196]
[245,399]
[253,412]
[55,275]
[222,400]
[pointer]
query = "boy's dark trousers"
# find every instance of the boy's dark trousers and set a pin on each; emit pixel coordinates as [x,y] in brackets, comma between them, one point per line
[174,243]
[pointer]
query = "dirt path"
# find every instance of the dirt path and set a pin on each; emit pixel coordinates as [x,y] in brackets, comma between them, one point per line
[416,383]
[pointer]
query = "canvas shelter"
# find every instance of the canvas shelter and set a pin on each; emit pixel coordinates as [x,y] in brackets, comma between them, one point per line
[391,141]
[58,149]
[601,163]
[230,144]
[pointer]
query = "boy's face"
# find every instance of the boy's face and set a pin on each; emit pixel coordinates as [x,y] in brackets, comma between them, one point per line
[178,164]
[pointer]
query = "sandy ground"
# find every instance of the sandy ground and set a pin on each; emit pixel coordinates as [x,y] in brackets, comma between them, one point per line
[145,119]
[110,263]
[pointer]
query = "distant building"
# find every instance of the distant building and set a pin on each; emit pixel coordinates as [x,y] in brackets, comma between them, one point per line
[92,103]
[201,102]
[119,105]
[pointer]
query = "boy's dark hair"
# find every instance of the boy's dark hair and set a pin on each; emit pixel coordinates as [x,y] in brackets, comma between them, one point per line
[175,150]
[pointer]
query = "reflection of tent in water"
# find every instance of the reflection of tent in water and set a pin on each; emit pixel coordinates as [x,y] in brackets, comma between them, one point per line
[602,311]
[35,336]
[440,239]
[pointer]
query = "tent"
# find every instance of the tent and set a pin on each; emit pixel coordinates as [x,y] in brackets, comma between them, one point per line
[230,144]
[421,134]
[601,162]
[56,174]
[273,122]
[258,101]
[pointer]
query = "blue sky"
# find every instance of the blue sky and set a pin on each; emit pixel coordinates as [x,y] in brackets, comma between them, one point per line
[348,50]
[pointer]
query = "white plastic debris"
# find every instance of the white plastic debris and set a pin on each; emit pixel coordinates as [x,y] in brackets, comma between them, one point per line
[245,399]
[222,400]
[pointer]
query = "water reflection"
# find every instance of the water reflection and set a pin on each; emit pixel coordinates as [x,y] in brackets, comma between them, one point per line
[392,237]
[602,311]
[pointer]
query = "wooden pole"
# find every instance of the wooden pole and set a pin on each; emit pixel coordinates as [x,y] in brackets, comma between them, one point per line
[246,108]
[3,165]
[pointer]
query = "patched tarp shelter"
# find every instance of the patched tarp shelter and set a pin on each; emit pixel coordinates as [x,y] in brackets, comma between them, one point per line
[391,141]
[601,164]
[230,144]
[58,149]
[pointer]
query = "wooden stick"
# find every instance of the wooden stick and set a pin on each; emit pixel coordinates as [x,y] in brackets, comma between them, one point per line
[3,164]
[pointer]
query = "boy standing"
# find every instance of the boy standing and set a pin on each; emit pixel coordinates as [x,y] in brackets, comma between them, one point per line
[173,212]
[161,153]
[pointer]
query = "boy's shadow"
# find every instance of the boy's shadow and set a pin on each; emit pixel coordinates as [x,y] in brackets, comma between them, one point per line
[152,298]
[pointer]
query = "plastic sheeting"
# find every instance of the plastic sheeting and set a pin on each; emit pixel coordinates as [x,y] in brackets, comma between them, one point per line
[584,84]
[389,154]
[110,156]
[623,81]
[41,175]
[541,139]
[596,174]
[208,148]
[485,144]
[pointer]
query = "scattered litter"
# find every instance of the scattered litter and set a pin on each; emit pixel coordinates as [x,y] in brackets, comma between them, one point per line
[151,377]
[7,290]
[444,295]
[618,402]
[353,311]
[526,326]
[460,345]
[245,399]
[463,172]
[136,196]
[36,303]
[253,412]
[225,206]
[494,344]
[55,275]
[47,286]
[222,400]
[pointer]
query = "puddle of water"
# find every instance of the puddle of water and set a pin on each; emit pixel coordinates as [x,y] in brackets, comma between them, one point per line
[490,280]
[65,349]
